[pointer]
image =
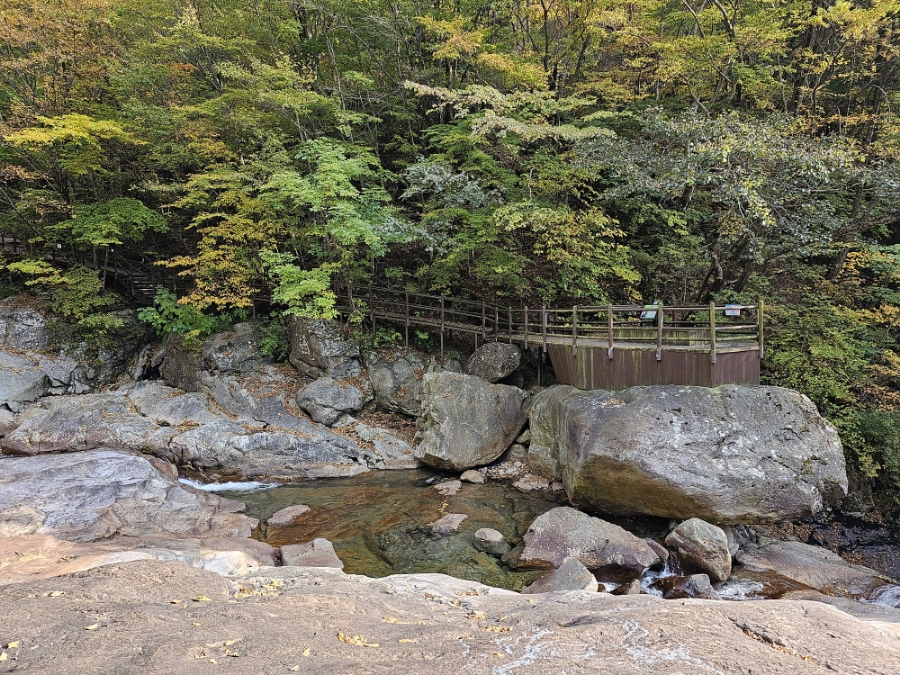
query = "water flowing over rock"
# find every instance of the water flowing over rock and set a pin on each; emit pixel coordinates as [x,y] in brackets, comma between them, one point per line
[94,495]
[701,547]
[690,586]
[320,349]
[466,422]
[814,567]
[570,576]
[396,378]
[327,400]
[602,547]
[729,454]
[494,361]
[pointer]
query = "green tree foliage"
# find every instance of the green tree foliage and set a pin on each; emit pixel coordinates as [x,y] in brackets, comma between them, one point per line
[256,155]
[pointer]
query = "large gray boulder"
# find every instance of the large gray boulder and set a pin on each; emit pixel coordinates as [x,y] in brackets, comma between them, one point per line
[604,548]
[396,378]
[815,567]
[728,455]
[327,400]
[701,547]
[494,361]
[90,496]
[316,553]
[466,422]
[319,348]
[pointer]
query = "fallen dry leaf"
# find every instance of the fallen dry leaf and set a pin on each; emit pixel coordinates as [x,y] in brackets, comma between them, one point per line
[93,626]
[406,640]
[12,645]
[476,615]
[55,594]
[3,656]
[356,640]
[306,652]
[202,598]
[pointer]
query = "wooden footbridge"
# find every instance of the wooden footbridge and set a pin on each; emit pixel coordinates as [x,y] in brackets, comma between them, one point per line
[592,347]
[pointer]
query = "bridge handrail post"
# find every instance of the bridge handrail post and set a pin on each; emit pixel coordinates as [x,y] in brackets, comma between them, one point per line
[483,319]
[406,297]
[496,323]
[712,332]
[759,321]
[609,337]
[509,322]
[442,330]
[659,332]
[574,330]
[526,327]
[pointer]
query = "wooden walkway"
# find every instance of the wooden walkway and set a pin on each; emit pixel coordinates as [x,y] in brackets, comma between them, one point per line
[591,347]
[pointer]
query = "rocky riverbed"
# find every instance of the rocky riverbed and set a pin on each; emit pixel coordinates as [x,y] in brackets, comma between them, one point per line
[688,498]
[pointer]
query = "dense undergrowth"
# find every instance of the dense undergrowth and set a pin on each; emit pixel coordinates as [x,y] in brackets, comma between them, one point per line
[251,155]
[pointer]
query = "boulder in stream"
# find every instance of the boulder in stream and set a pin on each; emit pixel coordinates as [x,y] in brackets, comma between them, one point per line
[466,422]
[701,547]
[570,576]
[316,553]
[729,454]
[606,549]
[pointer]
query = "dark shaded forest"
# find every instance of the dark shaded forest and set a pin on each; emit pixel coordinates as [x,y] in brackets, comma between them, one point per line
[249,155]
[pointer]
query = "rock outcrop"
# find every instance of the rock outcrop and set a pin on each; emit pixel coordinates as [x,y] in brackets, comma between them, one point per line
[285,618]
[94,495]
[606,549]
[729,454]
[327,400]
[319,348]
[466,422]
[188,429]
[690,586]
[316,553]
[494,361]
[396,377]
[701,547]
[30,368]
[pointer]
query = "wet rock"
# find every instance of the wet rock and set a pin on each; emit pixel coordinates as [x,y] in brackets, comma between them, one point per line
[446,524]
[815,567]
[319,348]
[570,576]
[95,495]
[287,516]
[661,551]
[701,547]
[327,400]
[530,482]
[491,542]
[602,547]
[316,553]
[728,454]
[472,476]
[449,487]
[466,422]
[494,361]
[396,379]
[692,586]
[633,587]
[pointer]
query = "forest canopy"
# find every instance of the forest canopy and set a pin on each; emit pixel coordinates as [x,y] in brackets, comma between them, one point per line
[251,154]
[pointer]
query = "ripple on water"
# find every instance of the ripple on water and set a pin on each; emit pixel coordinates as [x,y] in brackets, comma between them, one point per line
[233,486]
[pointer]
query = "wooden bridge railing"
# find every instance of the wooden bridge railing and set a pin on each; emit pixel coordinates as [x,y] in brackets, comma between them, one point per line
[712,328]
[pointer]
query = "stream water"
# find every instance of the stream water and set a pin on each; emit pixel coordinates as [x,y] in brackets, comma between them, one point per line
[377,521]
